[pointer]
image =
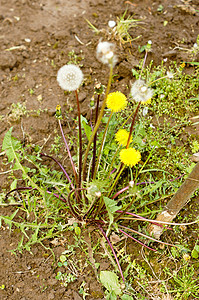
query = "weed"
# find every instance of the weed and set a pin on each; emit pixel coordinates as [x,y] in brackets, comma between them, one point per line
[122,28]
[17,111]
[110,181]
[74,58]
[184,283]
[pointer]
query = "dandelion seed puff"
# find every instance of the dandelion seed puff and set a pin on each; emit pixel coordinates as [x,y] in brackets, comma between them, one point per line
[122,137]
[141,92]
[105,53]
[116,101]
[130,157]
[69,77]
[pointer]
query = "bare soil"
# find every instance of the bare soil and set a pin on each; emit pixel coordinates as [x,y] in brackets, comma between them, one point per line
[36,37]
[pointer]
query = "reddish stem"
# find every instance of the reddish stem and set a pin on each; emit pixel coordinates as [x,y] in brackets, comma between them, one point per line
[132,124]
[95,139]
[80,140]
[112,249]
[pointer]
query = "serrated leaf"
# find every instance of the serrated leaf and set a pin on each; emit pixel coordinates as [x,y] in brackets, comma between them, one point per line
[110,282]
[111,207]
[86,127]
[10,146]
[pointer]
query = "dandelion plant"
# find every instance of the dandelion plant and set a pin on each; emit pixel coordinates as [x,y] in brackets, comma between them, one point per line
[94,196]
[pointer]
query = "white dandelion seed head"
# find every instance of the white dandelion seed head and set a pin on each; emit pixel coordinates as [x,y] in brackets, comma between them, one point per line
[105,53]
[140,92]
[70,77]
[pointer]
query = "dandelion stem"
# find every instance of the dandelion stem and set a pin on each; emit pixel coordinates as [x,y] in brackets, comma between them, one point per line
[95,139]
[64,171]
[146,236]
[113,251]
[102,145]
[80,140]
[112,162]
[122,166]
[132,124]
[98,123]
[158,79]
[145,57]
[68,150]
[136,240]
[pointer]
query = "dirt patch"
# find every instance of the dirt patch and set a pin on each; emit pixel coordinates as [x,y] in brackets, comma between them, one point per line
[36,38]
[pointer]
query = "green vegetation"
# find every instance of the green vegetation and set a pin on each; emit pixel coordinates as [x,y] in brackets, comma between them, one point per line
[65,204]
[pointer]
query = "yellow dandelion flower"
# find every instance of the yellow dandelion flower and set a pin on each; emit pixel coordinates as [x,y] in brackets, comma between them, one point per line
[58,107]
[116,101]
[122,137]
[182,65]
[130,157]
[147,102]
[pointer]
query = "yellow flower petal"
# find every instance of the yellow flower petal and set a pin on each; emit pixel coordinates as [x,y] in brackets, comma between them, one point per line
[130,157]
[122,137]
[116,101]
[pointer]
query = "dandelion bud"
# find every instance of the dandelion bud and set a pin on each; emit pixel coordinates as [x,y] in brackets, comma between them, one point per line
[70,77]
[105,53]
[99,88]
[148,46]
[141,92]
[58,111]
[92,102]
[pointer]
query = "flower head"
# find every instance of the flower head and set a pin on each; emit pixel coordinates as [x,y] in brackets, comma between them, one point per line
[122,137]
[69,77]
[116,101]
[105,53]
[130,156]
[141,92]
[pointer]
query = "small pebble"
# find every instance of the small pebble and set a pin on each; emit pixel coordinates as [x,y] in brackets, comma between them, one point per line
[111,24]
